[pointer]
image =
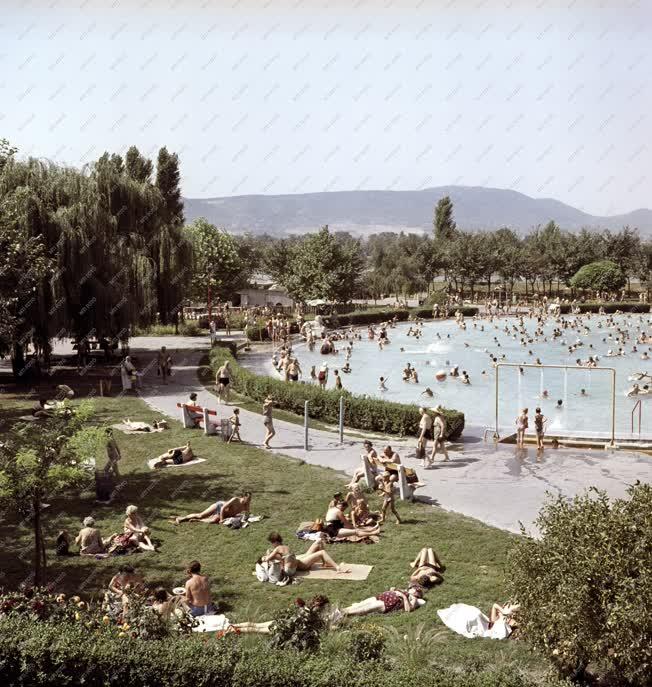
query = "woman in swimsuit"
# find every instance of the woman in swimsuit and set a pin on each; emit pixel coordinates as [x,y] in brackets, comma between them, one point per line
[135,526]
[336,524]
[521,425]
[315,555]
[386,602]
[427,568]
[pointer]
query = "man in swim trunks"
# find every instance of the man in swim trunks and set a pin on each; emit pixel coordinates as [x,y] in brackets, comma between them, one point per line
[219,511]
[198,592]
[222,380]
[175,456]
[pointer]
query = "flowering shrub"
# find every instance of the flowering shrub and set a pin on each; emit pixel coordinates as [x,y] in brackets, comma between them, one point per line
[136,619]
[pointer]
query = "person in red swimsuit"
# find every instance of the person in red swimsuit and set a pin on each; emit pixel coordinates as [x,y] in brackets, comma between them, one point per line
[389,601]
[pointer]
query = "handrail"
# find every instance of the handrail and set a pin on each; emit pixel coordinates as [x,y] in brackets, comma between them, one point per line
[640,407]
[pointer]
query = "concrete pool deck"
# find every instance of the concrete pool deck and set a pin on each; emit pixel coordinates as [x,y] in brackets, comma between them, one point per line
[497,484]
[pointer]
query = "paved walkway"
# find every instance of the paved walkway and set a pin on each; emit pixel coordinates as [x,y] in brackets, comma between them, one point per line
[498,485]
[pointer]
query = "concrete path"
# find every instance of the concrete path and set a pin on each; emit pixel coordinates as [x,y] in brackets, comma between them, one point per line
[499,485]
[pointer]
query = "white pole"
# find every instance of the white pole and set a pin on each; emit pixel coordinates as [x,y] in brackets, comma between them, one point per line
[305,425]
[341,419]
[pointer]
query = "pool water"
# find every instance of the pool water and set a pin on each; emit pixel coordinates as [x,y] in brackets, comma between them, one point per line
[444,344]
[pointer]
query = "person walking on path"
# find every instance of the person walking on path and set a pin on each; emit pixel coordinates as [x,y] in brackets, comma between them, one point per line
[438,435]
[268,421]
[425,434]
[222,381]
[164,364]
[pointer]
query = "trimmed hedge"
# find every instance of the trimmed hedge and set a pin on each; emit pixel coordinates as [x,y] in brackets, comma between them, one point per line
[360,412]
[609,308]
[44,654]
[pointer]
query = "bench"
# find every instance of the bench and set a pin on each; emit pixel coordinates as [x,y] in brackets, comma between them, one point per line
[405,489]
[193,417]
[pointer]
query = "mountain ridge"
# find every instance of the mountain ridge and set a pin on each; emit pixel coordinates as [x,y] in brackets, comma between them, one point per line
[371,211]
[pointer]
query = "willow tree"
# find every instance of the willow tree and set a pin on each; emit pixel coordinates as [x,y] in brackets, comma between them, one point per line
[80,243]
[170,250]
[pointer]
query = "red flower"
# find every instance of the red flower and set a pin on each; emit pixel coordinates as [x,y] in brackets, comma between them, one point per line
[300,603]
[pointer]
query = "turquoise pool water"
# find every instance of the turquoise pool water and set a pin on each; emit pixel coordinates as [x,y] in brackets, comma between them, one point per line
[444,345]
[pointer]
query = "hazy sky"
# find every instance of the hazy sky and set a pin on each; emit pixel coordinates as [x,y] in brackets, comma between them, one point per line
[551,98]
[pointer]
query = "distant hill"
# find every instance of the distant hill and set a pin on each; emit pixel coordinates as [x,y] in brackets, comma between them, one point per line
[366,212]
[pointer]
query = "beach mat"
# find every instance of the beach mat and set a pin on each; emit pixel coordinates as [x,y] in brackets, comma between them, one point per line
[357,573]
[125,429]
[194,461]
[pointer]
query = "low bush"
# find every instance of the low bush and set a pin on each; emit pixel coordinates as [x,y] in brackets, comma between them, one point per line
[360,412]
[186,328]
[585,586]
[46,654]
[367,643]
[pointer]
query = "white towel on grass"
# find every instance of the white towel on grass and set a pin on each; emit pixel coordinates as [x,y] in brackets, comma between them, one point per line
[471,622]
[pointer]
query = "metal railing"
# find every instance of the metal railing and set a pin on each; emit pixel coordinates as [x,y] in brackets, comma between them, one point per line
[611,370]
[640,408]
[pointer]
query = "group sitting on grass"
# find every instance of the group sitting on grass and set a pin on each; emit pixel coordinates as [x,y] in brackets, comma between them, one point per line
[135,536]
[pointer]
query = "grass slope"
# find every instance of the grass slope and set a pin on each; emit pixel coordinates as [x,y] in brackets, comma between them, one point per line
[286,492]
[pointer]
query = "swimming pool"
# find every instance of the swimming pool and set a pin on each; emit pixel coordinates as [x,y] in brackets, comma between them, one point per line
[444,344]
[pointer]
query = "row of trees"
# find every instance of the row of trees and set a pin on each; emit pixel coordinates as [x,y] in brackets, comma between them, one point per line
[337,267]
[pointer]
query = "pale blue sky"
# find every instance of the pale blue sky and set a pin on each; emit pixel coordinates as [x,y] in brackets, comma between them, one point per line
[549,98]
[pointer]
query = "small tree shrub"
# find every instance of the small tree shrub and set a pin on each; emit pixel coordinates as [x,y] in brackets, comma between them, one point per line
[367,643]
[361,412]
[585,587]
[299,627]
[603,275]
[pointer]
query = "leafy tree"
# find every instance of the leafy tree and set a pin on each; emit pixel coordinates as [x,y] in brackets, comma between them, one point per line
[624,248]
[137,166]
[444,224]
[510,257]
[168,250]
[218,269]
[324,267]
[599,276]
[111,262]
[585,586]
[42,460]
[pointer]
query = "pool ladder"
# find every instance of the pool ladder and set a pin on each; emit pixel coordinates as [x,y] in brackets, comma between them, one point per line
[638,406]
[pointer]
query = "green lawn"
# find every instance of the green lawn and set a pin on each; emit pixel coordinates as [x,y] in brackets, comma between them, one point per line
[286,492]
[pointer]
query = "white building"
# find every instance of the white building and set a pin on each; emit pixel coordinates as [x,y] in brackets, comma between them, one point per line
[263,291]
